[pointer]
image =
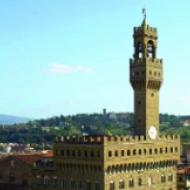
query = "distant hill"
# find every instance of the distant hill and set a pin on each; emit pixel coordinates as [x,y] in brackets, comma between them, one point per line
[10,120]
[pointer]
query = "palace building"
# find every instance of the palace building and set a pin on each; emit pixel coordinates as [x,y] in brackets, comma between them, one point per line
[144,161]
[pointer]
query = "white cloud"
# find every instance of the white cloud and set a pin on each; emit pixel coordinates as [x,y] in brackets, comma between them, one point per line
[64,69]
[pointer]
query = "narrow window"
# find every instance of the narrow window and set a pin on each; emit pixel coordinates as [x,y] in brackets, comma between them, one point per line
[131,182]
[122,185]
[163,179]
[112,186]
[110,154]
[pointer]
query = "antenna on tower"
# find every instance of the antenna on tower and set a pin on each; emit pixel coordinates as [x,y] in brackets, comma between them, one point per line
[144,23]
[144,12]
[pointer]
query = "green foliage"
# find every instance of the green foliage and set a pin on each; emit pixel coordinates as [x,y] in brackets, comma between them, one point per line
[43,131]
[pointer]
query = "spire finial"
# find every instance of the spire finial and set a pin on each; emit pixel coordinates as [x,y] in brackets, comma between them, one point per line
[144,13]
[144,23]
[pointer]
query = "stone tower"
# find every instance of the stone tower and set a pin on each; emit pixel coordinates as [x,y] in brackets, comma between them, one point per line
[146,80]
[145,161]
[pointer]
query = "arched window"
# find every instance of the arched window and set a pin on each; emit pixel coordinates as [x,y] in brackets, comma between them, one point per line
[163,178]
[110,153]
[150,49]
[121,184]
[140,181]
[139,50]
[128,152]
[170,177]
[112,186]
[46,180]
[88,185]
[122,152]
[39,180]
[131,182]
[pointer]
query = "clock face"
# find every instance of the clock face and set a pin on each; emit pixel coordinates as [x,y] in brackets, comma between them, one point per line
[152,132]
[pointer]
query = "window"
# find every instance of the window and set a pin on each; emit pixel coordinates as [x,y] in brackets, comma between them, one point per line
[46,180]
[131,182]
[68,153]
[151,49]
[134,152]
[128,152]
[116,153]
[55,180]
[65,183]
[155,150]
[38,180]
[121,184]
[150,151]
[163,179]
[88,185]
[140,151]
[110,154]
[161,150]
[137,73]
[80,184]
[112,186]
[122,152]
[139,50]
[140,181]
[97,186]
[170,177]
[72,184]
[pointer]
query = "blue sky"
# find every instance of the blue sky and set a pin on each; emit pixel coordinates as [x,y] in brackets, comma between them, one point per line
[71,56]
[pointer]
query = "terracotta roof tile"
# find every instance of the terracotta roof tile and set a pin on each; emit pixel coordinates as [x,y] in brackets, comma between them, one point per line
[32,158]
[185,170]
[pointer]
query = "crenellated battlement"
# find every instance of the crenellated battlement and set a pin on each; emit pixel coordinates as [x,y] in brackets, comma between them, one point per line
[144,60]
[112,139]
[147,27]
[81,139]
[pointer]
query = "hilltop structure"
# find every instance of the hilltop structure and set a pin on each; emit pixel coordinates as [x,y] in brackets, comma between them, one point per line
[143,161]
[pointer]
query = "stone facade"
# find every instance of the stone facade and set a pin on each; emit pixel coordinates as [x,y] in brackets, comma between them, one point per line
[98,163]
[140,162]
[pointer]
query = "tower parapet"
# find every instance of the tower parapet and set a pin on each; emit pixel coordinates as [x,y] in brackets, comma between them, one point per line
[112,139]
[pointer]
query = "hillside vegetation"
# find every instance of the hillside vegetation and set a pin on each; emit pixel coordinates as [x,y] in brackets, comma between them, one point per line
[44,131]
